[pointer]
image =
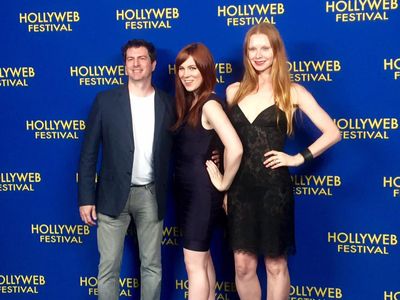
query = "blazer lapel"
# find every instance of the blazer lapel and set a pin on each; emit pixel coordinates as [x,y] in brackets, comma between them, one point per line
[126,114]
[159,113]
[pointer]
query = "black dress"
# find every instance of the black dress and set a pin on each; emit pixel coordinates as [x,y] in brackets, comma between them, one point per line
[199,202]
[260,200]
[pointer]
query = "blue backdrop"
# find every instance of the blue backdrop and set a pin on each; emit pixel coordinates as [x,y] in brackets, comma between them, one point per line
[55,57]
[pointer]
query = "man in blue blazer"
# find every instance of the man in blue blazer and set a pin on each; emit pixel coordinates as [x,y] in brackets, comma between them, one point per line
[131,126]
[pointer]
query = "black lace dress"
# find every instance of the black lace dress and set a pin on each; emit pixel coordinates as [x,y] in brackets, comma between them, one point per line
[260,200]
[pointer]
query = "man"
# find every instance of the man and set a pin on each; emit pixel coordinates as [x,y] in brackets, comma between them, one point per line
[131,124]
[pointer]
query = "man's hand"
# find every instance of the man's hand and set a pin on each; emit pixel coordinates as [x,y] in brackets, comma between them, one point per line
[88,214]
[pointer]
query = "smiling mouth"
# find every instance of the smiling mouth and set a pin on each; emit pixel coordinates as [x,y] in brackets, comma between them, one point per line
[259,62]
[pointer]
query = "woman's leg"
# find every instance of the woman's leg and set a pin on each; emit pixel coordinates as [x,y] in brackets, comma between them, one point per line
[196,263]
[247,283]
[278,280]
[211,277]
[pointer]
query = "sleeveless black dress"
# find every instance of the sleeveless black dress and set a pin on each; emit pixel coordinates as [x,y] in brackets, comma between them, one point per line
[199,202]
[260,200]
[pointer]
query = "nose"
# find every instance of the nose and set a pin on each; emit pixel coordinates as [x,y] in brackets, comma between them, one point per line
[185,73]
[258,53]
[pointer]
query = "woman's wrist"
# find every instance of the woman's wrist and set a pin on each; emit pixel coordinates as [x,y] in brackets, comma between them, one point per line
[307,155]
[299,159]
[225,187]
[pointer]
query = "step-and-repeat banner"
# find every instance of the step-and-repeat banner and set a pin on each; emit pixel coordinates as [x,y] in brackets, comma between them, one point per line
[56,55]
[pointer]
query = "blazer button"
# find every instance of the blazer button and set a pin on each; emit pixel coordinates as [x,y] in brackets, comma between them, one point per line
[129,173]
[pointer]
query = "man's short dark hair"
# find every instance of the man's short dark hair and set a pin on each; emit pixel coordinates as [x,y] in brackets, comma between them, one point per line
[136,43]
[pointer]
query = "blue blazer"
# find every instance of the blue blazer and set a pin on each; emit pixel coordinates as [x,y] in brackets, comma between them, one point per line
[109,126]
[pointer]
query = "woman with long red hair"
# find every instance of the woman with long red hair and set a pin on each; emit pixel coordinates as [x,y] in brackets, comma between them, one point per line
[260,202]
[201,123]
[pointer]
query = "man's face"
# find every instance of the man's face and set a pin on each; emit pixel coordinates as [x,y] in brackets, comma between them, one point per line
[138,64]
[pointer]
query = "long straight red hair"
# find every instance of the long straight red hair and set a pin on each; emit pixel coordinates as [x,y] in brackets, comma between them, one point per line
[184,99]
[280,72]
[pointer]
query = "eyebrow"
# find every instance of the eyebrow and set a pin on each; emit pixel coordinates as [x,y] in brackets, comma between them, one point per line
[188,66]
[132,56]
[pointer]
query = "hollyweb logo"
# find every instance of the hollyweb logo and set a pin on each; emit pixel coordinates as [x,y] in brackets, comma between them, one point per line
[361,10]
[21,284]
[148,18]
[16,76]
[98,75]
[49,21]
[127,285]
[250,14]
[55,129]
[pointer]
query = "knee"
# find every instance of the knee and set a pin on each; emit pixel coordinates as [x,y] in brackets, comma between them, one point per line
[194,265]
[244,270]
[276,266]
[109,265]
[150,260]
